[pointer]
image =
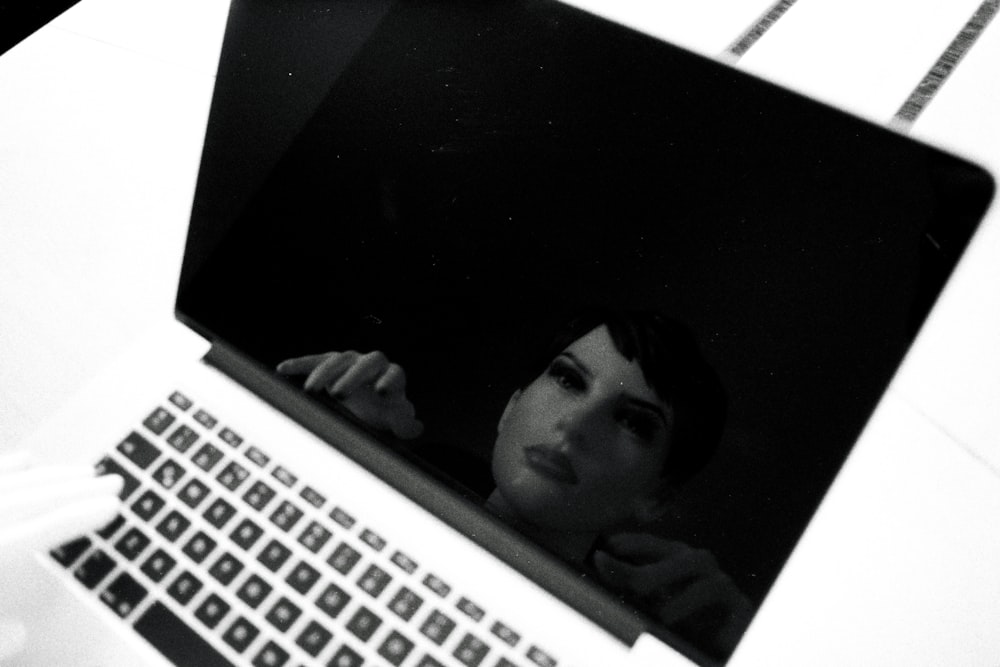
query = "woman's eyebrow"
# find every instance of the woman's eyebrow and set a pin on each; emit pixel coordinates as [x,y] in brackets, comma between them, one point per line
[582,367]
[649,406]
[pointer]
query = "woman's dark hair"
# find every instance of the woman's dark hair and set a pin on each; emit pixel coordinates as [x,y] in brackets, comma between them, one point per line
[672,364]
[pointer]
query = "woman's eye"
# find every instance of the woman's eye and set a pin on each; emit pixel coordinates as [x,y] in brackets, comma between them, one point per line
[566,376]
[639,425]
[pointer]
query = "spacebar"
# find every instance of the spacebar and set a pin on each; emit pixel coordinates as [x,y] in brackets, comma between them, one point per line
[176,641]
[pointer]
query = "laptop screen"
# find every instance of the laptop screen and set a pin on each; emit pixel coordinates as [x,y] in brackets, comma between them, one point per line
[593,254]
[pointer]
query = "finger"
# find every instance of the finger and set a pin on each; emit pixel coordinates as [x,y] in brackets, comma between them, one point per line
[616,574]
[366,369]
[392,381]
[15,482]
[13,636]
[638,579]
[301,365]
[331,368]
[61,525]
[700,594]
[662,576]
[29,504]
[640,548]
[408,429]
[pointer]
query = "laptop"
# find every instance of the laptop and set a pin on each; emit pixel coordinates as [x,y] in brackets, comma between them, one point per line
[447,184]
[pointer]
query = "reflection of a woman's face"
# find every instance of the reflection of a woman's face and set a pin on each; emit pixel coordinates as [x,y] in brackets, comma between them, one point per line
[582,447]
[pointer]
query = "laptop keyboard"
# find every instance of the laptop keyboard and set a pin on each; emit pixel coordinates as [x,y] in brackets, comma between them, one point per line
[221,555]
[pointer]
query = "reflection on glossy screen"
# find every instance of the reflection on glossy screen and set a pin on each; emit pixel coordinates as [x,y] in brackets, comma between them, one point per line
[631,302]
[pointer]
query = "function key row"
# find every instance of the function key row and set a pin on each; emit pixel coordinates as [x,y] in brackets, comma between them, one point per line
[160,419]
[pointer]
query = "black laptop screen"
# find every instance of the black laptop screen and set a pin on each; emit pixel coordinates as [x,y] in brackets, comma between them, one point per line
[453,184]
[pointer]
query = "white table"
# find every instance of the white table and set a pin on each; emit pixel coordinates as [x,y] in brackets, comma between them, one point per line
[101,126]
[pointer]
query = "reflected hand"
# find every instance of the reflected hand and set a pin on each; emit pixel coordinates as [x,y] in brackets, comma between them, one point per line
[42,507]
[678,584]
[369,386]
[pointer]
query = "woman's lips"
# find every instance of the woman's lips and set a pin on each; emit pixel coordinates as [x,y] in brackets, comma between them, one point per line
[551,463]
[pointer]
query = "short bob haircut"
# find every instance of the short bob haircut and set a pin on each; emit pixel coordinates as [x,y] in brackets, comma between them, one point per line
[672,364]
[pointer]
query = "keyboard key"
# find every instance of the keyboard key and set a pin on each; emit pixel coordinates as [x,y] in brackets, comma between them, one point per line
[233,475]
[158,421]
[169,474]
[395,648]
[198,548]
[173,525]
[193,493]
[205,419]
[346,657]
[108,466]
[271,655]
[229,437]
[505,634]
[274,555]
[363,624]
[94,568]
[219,513]
[504,662]
[138,450]
[333,600]
[344,558]
[182,438]
[211,610]
[184,587]
[373,540]
[435,584]
[181,401]
[258,495]
[253,591]
[404,562]
[283,614]
[283,475]
[123,594]
[240,634]
[342,518]
[132,543]
[374,580]
[471,651]
[147,505]
[107,531]
[470,609]
[207,457]
[313,497]
[286,516]
[179,643]
[314,537]
[257,456]
[66,553]
[303,577]
[158,565]
[540,657]
[246,534]
[314,638]
[405,603]
[226,568]
[437,627]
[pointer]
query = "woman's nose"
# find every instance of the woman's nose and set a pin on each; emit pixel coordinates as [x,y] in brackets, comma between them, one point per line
[575,425]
